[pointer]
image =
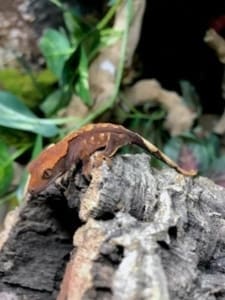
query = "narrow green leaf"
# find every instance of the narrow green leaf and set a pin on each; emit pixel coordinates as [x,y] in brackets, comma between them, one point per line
[38,146]
[69,72]
[56,100]
[18,153]
[190,96]
[57,3]
[109,37]
[6,170]
[14,114]
[74,27]
[52,102]
[111,12]
[82,86]
[21,190]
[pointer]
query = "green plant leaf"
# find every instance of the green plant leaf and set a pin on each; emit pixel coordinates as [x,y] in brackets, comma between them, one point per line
[109,36]
[56,100]
[216,171]
[82,86]
[186,154]
[69,72]
[15,114]
[6,169]
[38,146]
[100,39]
[30,87]
[200,152]
[190,96]
[52,102]
[74,27]
[56,49]
[57,3]
[21,190]
[15,138]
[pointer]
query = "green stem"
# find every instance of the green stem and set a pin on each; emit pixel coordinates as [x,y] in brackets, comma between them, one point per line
[7,198]
[108,16]
[16,154]
[111,101]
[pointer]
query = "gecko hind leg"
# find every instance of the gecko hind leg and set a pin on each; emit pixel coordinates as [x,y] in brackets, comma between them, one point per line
[94,162]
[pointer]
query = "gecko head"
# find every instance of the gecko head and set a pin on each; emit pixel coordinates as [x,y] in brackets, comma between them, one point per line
[42,171]
[39,180]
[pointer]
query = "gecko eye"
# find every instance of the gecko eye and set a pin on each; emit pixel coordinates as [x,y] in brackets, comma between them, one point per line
[47,174]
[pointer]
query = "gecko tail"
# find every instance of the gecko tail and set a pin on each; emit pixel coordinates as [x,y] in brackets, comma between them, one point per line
[163,157]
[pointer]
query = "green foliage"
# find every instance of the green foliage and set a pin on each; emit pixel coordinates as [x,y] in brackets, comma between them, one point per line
[203,150]
[37,147]
[31,88]
[216,171]
[190,96]
[69,56]
[82,84]
[15,138]
[52,102]
[15,114]
[32,100]
[6,169]
[56,49]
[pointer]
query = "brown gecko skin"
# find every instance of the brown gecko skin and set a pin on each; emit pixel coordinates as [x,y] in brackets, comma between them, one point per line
[78,146]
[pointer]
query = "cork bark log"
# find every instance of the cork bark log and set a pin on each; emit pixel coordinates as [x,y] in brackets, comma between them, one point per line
[131,232]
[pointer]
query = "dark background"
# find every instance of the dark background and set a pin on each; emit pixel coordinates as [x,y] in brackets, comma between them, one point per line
[172,47]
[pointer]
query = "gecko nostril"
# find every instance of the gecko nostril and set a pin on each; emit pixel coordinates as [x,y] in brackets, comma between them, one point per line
[31,191]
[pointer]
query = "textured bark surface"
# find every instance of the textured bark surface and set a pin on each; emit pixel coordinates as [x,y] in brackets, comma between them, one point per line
[131,233]
[22,23]
[35,252]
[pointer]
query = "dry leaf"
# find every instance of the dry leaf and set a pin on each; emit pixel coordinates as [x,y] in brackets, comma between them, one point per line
[216,42]
[179,118]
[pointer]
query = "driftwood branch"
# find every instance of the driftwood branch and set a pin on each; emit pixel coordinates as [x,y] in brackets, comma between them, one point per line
[132,232]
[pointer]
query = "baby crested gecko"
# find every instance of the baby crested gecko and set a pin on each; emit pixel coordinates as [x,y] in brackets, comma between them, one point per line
[106,138]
